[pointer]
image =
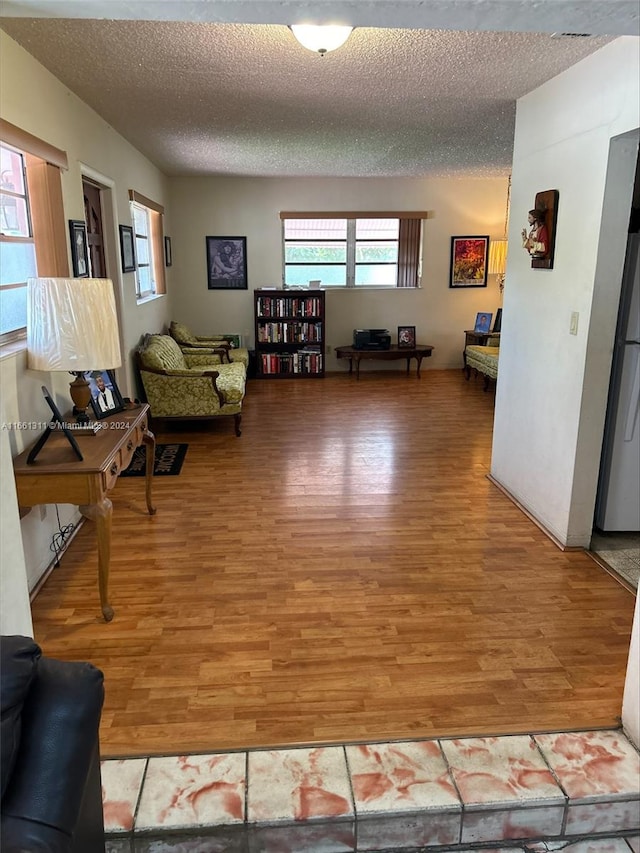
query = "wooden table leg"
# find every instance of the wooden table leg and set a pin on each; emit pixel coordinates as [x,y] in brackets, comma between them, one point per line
[409,363]
[350,366]
[357,367]
[419,360]
[149,441]
[102,513]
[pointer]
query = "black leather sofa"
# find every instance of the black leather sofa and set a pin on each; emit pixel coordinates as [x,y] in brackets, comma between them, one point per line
[50,758]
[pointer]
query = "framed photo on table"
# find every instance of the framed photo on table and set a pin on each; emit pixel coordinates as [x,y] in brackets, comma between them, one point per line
[105,394]
[469,261]
[227,263]
[406,337]
[483,322]
[79,248]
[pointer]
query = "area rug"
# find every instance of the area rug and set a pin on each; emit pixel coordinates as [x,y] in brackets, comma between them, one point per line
[168,460]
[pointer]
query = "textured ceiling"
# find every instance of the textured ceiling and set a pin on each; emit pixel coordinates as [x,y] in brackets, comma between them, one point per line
[246,99]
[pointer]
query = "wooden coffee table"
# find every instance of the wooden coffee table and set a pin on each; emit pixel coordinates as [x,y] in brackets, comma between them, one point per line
[394,352]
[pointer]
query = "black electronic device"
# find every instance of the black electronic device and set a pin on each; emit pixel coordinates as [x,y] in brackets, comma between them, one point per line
[56,423]
[371,339]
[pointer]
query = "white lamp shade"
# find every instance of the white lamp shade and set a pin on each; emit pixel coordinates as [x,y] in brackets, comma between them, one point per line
[72,324]
[497,257]
[321,39]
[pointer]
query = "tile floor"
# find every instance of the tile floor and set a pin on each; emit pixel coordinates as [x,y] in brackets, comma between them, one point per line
[540,792]
[621,552]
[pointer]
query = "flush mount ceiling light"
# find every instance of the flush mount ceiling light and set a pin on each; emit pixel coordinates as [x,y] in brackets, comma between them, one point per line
[321,39]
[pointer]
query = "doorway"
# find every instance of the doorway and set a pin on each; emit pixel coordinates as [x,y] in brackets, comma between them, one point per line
[95,236]
[616,534]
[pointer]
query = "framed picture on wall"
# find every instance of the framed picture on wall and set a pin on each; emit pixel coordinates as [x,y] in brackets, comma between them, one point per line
[79,248]
[469,261]
[227,263]
[127,249]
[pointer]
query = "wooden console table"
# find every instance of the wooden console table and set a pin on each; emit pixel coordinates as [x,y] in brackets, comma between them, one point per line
[392,354]
[57,476]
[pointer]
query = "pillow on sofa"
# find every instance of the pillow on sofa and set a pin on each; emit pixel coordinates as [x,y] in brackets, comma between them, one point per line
[18,659]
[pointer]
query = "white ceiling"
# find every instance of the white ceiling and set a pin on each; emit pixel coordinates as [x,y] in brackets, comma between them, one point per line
[221,87]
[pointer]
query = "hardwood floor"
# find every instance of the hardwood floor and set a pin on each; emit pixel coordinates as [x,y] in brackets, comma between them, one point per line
[344,571]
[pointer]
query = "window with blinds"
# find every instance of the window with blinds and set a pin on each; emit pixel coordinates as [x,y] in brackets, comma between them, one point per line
[17,245]
[148,233]
[350,251]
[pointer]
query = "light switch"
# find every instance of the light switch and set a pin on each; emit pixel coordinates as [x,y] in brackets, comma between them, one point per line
[573,325]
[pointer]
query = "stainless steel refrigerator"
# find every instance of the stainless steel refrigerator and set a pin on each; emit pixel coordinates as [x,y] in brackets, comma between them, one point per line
[618,501]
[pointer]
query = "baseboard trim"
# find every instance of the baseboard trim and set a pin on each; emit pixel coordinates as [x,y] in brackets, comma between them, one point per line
[532,517]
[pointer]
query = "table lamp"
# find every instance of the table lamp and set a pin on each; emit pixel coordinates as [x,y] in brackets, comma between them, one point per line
[72,325]
[498,260]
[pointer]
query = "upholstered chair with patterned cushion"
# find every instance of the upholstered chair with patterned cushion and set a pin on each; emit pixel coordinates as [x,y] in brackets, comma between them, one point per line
[191,386]
[483,360]
[217,344]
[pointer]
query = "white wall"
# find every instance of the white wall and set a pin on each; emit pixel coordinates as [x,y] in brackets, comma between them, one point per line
[552,386]
[34,100]
[250,207]
[631,698]
[15,613]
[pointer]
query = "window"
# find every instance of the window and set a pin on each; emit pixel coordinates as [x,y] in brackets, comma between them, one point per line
[17,246]
[376,245]
[149,244]
[358,251]
[145,280]
[33,235]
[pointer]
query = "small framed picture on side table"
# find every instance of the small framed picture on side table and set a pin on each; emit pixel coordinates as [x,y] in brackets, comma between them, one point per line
[406,337]
[106,398]
[483,322]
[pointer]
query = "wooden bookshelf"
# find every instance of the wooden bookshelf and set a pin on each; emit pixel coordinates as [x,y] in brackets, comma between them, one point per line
[290,334]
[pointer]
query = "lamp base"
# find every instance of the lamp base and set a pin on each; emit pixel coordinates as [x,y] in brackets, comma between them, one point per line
[81,416]
[81,395]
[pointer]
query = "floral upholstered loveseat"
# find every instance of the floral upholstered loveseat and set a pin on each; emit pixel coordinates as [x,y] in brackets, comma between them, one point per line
[217,344]
[483,360]
[189,386]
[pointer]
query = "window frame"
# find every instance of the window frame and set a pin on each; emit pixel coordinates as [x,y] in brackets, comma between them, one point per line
[42,164]
[154,214]
[141,265]
[20,331]
[350,242]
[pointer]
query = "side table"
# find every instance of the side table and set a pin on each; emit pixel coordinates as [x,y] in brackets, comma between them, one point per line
[58,476]
[419,351]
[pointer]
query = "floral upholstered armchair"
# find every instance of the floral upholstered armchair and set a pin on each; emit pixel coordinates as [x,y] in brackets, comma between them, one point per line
[217,344]
[189,386]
